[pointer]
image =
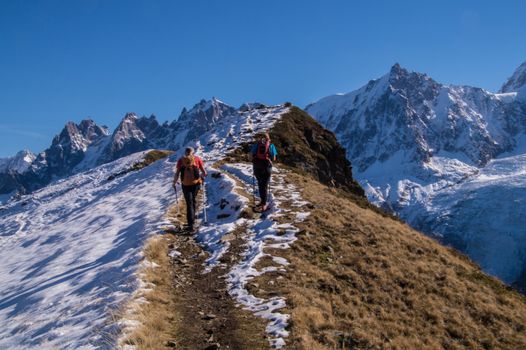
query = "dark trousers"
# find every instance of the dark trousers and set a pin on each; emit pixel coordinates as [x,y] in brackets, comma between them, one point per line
[190,197]
[262,174]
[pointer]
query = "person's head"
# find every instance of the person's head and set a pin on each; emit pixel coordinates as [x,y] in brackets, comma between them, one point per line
[189,151]
[264,137]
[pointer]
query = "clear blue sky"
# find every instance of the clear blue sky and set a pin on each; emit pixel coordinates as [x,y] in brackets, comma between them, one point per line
[67,60]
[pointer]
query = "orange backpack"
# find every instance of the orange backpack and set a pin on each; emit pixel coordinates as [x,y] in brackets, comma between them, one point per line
[189,171]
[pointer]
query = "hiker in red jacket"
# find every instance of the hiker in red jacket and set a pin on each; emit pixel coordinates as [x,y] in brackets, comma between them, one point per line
[192,171]
[263,154]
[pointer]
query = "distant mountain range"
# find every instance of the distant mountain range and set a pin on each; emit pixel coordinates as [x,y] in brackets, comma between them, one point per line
[448,159]
[82,146]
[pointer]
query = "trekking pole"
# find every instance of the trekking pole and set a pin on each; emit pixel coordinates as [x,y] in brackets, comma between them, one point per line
[176,199]
[271,199]
[204,202]
[254,189]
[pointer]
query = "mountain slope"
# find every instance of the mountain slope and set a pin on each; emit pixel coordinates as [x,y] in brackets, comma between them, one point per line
[361,280]
[69,252]
[414,141]
[490,203]
[311,148]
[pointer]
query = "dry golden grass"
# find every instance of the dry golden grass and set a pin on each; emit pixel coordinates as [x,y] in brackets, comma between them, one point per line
[360,280]
[153,308]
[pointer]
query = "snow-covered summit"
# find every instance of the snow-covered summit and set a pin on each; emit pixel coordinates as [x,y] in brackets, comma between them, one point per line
[517,81]
[206,111]
[19,163]
[129,136]
[66,151]
[410,112]
[77,137]
[135,133]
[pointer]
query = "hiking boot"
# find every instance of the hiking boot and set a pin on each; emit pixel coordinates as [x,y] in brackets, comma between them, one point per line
[262,208]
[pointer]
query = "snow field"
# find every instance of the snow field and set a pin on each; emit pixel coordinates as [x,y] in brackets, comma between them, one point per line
[70,253]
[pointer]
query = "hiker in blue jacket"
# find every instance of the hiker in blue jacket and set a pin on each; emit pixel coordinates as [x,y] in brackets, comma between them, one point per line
[263,154]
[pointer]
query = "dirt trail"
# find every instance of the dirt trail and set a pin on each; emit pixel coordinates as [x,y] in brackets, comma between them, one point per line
[193,296]
[205,314]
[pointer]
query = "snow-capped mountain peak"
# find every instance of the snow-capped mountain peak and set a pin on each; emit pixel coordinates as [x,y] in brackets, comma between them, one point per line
[77,137]
[18,163]
[70,137]
[67,149]
[91,130]
[517,81]
[402,79]
[129,136]
[410,112]
[128,128]
[397,73]
[206,111]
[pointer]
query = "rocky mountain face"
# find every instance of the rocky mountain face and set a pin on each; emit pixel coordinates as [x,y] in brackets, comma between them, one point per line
[198,120]
[139,133]
[410,112]
[68,148]
[80,147]
[18,163]
[438,154]
[26,172]
[11,168]
[517,82]
[133,134]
